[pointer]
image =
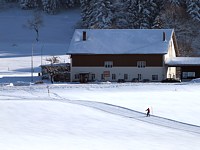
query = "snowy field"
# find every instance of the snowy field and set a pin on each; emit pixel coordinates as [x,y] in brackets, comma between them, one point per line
[101,116]
[17,41]
[88,117]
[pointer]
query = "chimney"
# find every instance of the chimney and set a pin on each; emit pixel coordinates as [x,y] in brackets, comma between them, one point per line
[84,36]
[164,36]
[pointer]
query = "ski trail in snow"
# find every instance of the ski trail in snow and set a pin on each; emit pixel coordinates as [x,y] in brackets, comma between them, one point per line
[129,113]
[126,112]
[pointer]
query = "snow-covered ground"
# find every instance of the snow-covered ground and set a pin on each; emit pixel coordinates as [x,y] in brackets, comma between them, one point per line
[85,116]
[73,116]
[18,41]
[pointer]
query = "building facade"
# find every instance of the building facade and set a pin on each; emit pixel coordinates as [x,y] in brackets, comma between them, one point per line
[121,54]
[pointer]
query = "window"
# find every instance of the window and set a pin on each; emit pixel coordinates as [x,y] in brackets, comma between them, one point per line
[108,64]
[186,75]
[76,76]
[125,76]
[141,64]
[154,77]
[113,76]
[93,77]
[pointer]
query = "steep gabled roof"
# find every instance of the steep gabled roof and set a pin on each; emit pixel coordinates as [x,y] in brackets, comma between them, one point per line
[120,41]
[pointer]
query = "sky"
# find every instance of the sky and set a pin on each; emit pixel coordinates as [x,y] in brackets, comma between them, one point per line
[85,116]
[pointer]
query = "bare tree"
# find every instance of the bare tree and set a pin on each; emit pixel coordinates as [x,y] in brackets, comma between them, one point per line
[35,23]
[52,70]
[53,59]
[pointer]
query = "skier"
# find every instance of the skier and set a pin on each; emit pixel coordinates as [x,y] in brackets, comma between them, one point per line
[148,112]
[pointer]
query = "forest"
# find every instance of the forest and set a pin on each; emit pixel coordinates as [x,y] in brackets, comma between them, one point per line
[181,15]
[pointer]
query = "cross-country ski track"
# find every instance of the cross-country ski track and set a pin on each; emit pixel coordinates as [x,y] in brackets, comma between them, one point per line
[129,113]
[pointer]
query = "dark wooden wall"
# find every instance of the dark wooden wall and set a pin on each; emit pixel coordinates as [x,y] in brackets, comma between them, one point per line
[119,60]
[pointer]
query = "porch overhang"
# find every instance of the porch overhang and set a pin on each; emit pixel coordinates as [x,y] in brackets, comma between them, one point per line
[182,61]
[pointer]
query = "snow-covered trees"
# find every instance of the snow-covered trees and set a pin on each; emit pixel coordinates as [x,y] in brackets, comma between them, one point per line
[86,11]
[49,6]
[96,13]
[101,14]
[193,8]
[175,16]
[69,3]
[52,6]
[27,4]
[127,14]
[175,2]
[181,15]
[119,19]
[135,13]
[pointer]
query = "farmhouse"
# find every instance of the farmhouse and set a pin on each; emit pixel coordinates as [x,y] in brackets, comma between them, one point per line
[122,54]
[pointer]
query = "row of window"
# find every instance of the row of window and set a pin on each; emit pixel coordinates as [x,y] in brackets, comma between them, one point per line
[113,77]
[140,64]
[186,75]
[154,77]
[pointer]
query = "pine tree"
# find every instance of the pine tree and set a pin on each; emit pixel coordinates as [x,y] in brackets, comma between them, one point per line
[101,14]
[143,13]
[120,16]
[86,11]
[69,3]
[175,2]
[28,4]
[135,13]
[193,8]
[148,14]
[51,6]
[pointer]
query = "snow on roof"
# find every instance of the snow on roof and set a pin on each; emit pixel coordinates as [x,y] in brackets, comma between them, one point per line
[183,61]
[120,41]
[55,64]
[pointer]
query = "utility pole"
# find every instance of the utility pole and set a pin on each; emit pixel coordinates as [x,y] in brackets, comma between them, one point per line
[32,63]
[34,24]
[41,53]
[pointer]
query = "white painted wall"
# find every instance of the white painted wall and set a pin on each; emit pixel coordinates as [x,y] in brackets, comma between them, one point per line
[132,72]
[170,71]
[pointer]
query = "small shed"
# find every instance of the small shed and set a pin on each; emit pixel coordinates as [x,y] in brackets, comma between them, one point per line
[189,67]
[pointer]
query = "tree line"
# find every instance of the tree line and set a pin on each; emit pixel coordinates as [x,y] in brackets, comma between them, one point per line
[181,15]
[48,6]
